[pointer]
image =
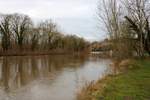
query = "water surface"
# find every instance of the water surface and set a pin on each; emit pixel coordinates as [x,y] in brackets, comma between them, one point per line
[55,77]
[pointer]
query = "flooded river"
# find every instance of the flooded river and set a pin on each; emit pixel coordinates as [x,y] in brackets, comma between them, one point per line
[55,77]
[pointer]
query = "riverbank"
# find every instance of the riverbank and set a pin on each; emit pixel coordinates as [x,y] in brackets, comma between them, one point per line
[38,53]
[133,83]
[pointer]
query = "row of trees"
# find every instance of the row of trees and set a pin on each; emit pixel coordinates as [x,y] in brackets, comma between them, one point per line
[18,32]
[128,25]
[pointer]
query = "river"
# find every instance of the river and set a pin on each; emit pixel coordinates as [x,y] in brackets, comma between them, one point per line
[53,77]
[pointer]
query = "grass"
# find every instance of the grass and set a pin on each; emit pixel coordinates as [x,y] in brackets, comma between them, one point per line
[133,84]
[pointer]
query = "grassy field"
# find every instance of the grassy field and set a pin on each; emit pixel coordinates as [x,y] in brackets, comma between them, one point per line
[133,84]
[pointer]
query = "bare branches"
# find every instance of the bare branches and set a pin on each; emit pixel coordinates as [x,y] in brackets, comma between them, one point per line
[5,30]
[21,25]
[133,19]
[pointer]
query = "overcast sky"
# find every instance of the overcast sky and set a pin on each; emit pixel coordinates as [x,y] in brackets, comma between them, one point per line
[73,16]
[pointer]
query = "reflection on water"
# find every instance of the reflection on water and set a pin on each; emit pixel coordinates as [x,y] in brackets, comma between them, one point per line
[55,77]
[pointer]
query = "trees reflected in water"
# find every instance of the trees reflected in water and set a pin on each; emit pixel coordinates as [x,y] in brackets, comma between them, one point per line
[20,71]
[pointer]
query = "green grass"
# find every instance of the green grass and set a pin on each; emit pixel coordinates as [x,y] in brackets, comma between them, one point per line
[133,84]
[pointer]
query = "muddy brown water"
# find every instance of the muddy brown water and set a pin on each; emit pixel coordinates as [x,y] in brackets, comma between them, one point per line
[55,77]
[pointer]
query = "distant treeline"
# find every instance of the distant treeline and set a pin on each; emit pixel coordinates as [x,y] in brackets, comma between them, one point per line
[19,33]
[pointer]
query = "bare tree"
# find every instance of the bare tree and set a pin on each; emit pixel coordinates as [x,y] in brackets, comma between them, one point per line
[21,24]
[34,38]
[110,14]
[127,22]
[5,31]
[138,17]
[48,30]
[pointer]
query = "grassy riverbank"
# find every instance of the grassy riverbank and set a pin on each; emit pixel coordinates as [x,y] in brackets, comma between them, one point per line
[132,84]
